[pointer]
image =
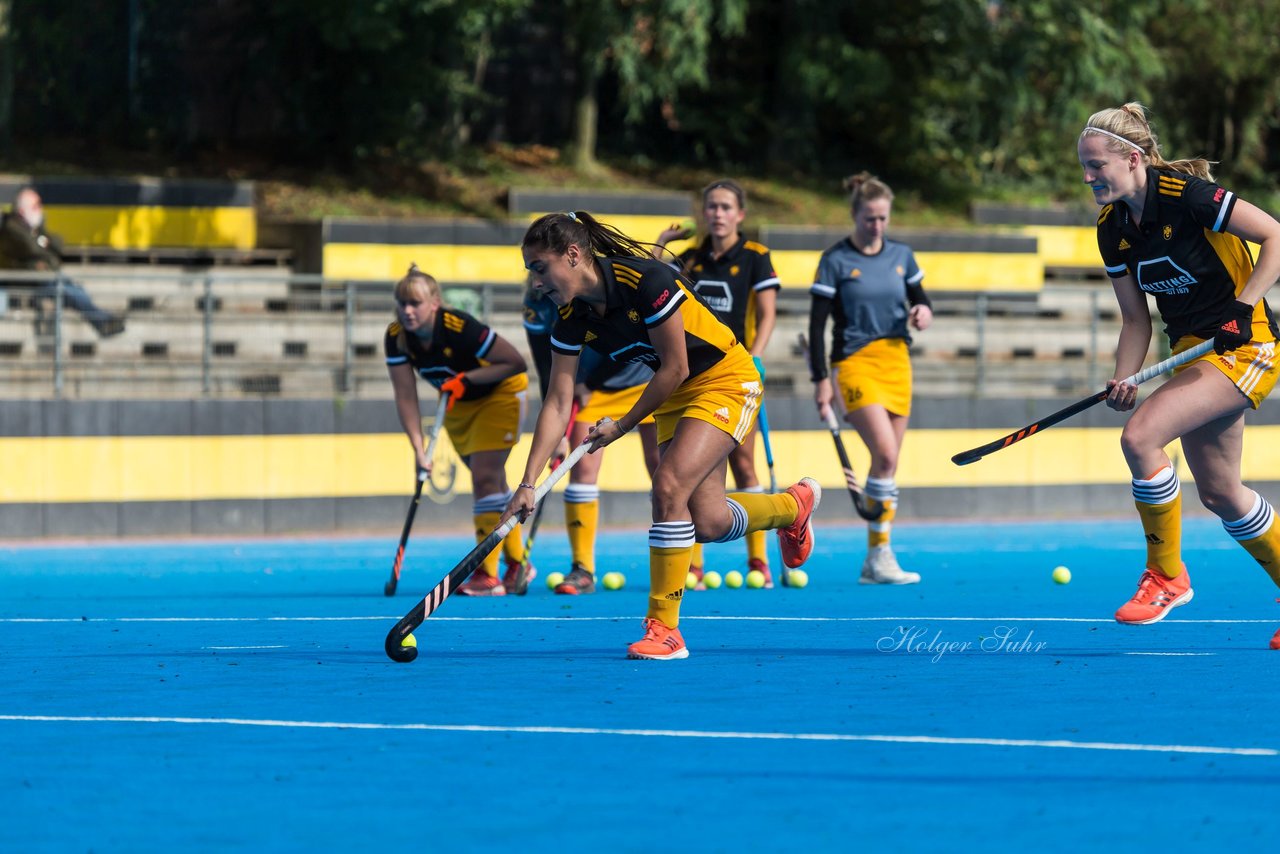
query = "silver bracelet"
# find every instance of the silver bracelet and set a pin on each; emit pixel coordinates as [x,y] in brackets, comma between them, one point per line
[526,486]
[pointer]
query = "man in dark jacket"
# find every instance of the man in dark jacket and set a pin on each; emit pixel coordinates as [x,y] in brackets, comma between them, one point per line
[25,244]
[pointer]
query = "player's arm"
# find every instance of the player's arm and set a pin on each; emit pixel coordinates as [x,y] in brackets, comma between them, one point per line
[404,384]
[1251,223]
[766,319]
[1135,340]
[819,313]
[503,360]
[553,419]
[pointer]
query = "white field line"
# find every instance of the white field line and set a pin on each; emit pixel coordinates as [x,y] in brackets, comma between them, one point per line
[659,733]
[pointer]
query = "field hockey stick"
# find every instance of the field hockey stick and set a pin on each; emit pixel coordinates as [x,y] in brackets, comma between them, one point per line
[768,447]
[521,585]
[850,479]
[389,588]
[433,600]
[972,456]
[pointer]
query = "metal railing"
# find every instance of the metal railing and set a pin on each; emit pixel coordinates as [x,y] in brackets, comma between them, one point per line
[223,332]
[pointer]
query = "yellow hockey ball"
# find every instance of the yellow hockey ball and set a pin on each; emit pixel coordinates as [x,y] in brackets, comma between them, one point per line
[733,578]
[409,641]
[691,582]
[1062,575]
[711,580]
[755,579]
[797,578]
[614,581]
[554,580]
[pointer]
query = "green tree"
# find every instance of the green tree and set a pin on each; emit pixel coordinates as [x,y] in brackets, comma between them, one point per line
[654,47]
[1219,97]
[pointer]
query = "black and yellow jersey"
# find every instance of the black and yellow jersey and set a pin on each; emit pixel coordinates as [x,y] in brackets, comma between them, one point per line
[729,284]
[640,294]
[458,344]
[1181,252]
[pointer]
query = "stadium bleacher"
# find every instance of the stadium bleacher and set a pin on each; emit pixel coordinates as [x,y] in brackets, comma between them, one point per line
[298,308]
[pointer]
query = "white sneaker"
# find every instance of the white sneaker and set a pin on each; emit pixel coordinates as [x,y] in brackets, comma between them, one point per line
[881,567]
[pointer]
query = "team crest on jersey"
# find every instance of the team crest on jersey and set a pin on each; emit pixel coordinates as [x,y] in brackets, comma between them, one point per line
[898,269]
[1124,244]
[633,315]
[1163,276]
[733,271]
[855,273]
[1168,232]
[448,352]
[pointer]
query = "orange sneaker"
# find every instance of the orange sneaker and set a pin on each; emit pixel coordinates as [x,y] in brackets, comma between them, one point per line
[796,540]
[659,643]
[577,582]
[756,564]
[1156,597]
[512,579]
[482,583]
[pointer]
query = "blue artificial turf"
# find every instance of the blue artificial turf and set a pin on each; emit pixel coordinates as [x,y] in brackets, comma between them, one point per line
[195,694]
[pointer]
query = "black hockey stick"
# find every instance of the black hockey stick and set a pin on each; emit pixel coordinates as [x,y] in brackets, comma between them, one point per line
[433,600]
[850,479]
[972,456]
[389,588]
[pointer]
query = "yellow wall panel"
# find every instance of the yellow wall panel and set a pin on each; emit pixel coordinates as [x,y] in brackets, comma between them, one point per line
[964,271]
[178,468]
[146,227]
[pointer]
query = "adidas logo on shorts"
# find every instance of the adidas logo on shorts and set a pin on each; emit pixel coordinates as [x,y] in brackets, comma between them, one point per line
[722,415]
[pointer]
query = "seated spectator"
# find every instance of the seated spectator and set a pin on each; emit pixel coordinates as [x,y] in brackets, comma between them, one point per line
[25,244]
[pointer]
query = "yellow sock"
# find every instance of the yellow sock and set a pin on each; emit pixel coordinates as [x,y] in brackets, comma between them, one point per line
[695,558]
[1260,536]
[670,549]
[882,495]
[758,547]
[1159,503]
[485,523]
[765,511]
[513,545]
[582,518]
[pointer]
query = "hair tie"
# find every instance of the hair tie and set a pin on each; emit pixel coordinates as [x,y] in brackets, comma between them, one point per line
[1127,142]
[571,215]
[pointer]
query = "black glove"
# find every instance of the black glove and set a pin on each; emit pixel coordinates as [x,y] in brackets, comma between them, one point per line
[1236,330]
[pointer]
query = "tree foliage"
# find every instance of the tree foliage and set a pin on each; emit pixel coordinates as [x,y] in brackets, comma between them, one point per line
[953,98]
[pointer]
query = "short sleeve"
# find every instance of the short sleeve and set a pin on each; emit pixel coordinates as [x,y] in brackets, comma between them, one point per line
[1109,244]
[568,335]
[659,294]
[468,334]
[825,280]
[1209,204]
[391,345]
[914,275]
[765,277]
